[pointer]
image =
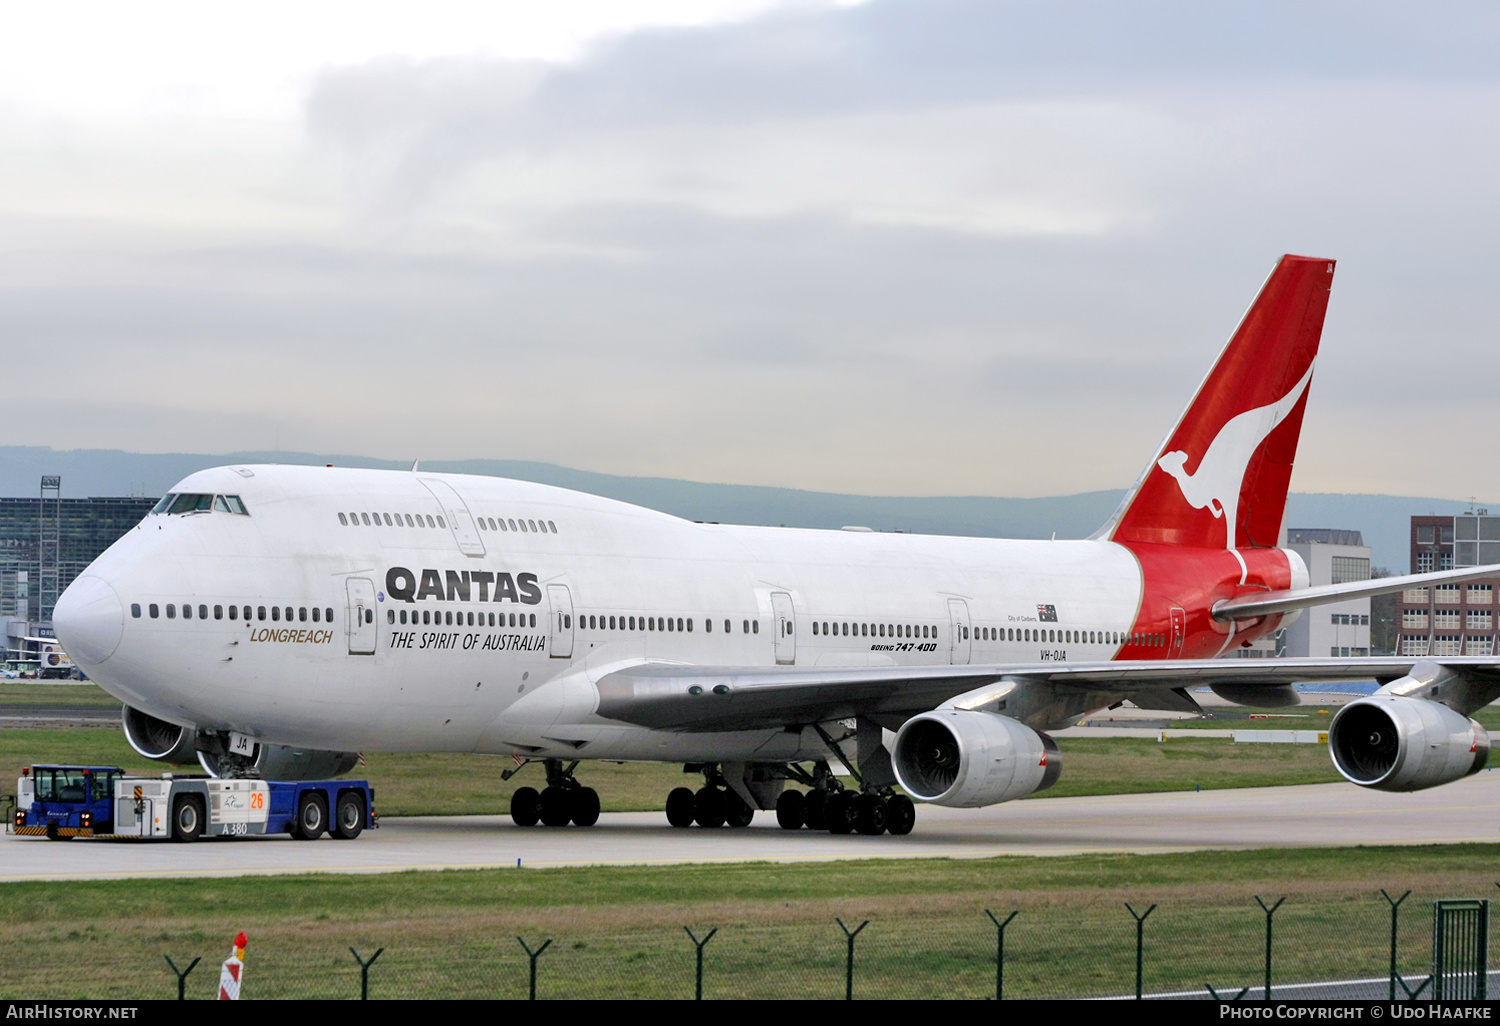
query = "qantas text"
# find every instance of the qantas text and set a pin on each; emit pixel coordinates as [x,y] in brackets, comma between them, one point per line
[462,586]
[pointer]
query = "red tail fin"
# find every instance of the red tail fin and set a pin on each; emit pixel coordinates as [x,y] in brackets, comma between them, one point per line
[1221,476]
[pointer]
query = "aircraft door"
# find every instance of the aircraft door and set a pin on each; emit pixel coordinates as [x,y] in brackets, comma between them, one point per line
[786,627]
[958,618]
[359,619]
[561,618]
[457,513]
[1179,632]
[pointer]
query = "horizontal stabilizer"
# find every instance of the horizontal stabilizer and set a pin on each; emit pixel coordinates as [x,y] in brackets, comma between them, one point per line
[1248,607]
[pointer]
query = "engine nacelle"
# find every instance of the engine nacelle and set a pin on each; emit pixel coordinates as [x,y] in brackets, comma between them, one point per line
[1396,743]
[967,758]
[158,739]
[280,762]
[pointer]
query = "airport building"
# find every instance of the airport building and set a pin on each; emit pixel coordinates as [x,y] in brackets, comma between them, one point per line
[45,542]
[1452,619]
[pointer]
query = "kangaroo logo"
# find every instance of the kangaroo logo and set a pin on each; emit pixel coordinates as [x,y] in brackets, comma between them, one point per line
[1216,483]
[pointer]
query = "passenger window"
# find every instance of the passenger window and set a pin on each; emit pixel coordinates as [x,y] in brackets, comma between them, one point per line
[482,525]
[218,612]
[316,611]
[388,520]
[552,527]
[754,626]
[276,612]
[171,611]
[425,615]
[492,619]
[532,523]
[369,616]
[390,616]
[440,521]
[135,610]
[501,522]
[187,611]
[343,520]
[403,615]
[533,619]
[288,614]
[327,614]
[301,614]
[513,525]
[365,517]
[152,610]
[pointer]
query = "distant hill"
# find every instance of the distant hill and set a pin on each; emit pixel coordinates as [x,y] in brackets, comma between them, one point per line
[1382,518]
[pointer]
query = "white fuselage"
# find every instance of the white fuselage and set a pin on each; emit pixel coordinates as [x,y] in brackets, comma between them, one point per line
[547,612]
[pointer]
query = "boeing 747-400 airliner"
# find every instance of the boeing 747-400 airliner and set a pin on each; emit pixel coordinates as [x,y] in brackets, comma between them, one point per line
[275,620]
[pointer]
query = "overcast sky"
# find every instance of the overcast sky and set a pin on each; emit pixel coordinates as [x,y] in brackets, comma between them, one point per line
[893,247]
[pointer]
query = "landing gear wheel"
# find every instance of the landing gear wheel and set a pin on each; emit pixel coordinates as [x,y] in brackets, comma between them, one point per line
[738,814]
[312,816]
[839,812]
[525,806]
[585,806]
[790,806]
[348,817]
[187,818]
[709,807]
[555,808]
[680,807]
[814,810]
[900,815]
[869,814]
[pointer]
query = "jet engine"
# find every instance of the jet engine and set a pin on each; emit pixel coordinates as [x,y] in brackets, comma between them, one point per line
[1399,743]
[170,742]
[280,762]
[967,758]
[158,739]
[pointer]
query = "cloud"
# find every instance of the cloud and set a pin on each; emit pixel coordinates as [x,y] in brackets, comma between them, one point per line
[899,247]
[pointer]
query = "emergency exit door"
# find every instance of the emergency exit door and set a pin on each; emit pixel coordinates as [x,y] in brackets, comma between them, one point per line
[786,628]
[560,640]
[958,620]
[360,616]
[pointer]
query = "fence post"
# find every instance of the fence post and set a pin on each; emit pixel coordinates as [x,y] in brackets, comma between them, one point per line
[1395,906]
[699,944]
[182,975]
[534,955]
[1269,913]
[1140,943]
[1000,951]
[849,963]
[364,972]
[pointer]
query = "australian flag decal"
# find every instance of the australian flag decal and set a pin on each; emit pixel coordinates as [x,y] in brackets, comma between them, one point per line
[1046,614]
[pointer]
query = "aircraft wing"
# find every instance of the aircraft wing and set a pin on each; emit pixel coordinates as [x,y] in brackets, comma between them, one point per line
[698,698]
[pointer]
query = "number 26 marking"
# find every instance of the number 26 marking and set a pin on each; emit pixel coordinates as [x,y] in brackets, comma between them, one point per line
[257,801]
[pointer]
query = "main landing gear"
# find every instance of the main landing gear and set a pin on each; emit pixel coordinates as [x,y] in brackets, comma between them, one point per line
[845,812]
[564,800]
[712,805]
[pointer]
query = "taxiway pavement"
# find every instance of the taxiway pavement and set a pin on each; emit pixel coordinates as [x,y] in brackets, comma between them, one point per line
[1307,816]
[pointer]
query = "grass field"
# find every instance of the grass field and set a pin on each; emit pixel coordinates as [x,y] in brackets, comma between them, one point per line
[453,784]
[409,785]
[617,931]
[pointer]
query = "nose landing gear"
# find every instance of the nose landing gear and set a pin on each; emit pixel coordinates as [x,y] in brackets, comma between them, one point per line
[564,800]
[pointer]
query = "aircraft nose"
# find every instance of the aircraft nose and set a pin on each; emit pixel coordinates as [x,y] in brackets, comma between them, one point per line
[89,619]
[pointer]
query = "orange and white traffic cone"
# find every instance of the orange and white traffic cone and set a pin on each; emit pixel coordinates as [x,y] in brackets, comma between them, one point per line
[233,971]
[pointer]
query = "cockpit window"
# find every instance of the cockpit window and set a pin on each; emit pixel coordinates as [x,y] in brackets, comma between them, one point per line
[220,506]
[189,503]
[236,506]
[165,503]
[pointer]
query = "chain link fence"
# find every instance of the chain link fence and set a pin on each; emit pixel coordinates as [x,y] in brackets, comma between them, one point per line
[1299,949]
